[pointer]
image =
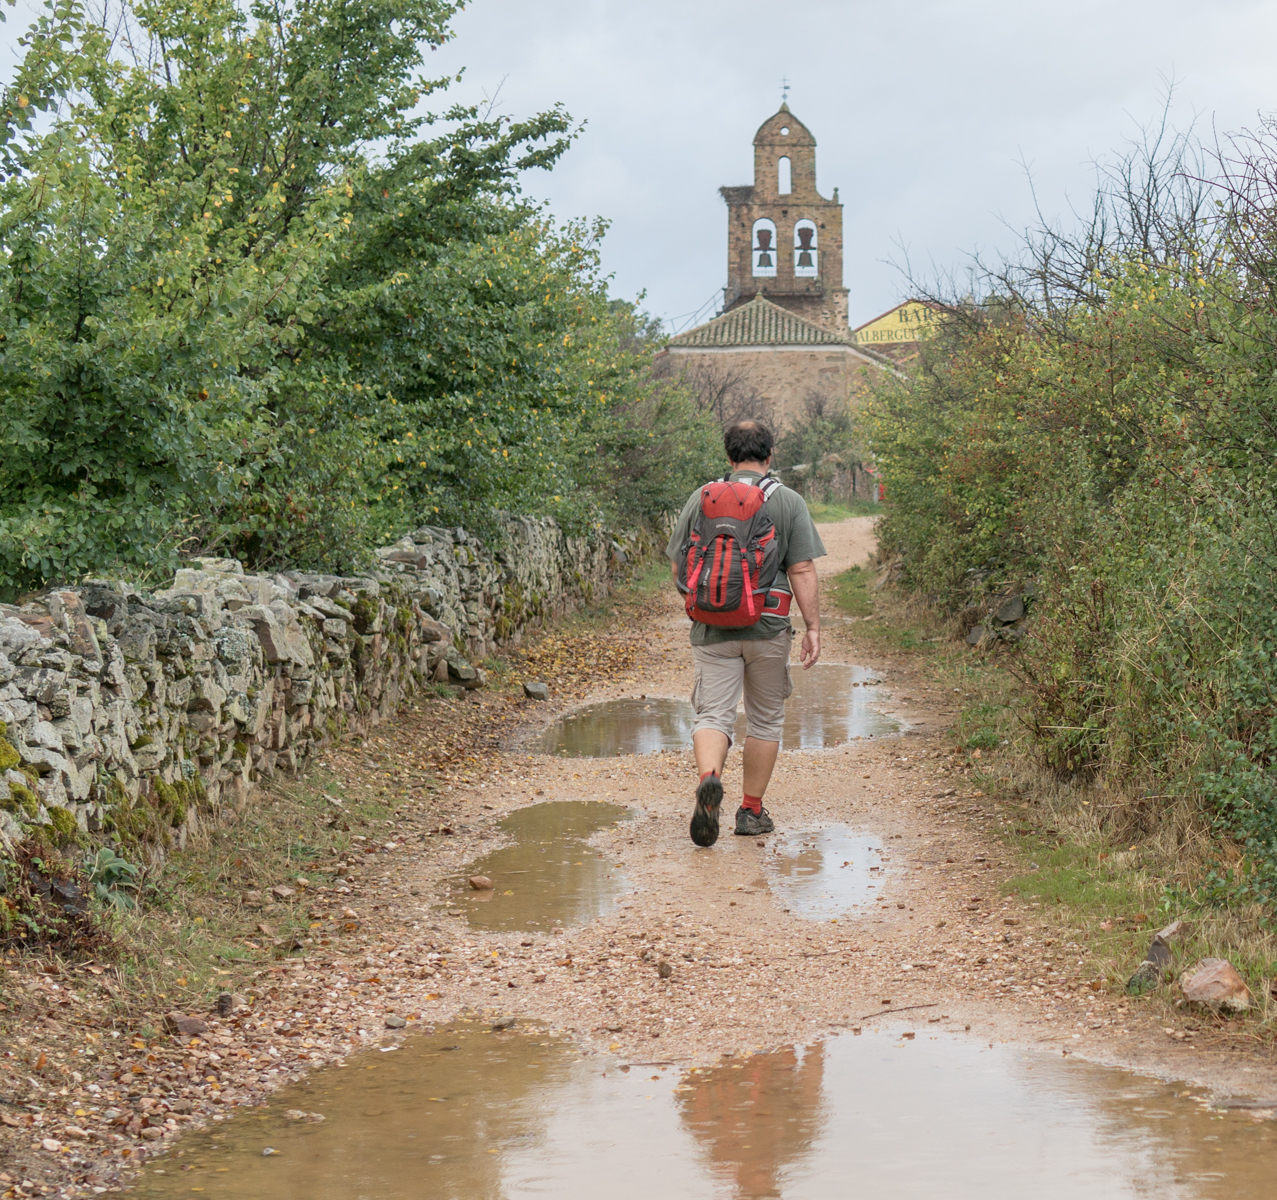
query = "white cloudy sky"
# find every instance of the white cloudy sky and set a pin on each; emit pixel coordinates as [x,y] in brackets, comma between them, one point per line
[925,113]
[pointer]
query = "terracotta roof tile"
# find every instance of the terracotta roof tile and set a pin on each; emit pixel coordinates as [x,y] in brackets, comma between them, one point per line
[759,323]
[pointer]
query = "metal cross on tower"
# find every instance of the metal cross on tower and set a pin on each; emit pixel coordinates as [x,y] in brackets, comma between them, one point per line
[784,89]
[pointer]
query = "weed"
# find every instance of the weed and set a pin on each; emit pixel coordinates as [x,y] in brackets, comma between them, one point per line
[114,879]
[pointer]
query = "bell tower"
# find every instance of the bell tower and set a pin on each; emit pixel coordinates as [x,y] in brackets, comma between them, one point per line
[784,240]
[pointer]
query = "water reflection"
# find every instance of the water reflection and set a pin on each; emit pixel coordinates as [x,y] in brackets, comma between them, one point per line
[832,703]
[758,1119]
[825,873]
[548,874]
[468,1113]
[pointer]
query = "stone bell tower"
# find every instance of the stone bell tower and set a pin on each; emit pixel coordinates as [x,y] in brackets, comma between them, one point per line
[784,240]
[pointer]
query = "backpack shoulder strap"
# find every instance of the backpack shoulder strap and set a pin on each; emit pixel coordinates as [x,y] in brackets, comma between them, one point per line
[768,485]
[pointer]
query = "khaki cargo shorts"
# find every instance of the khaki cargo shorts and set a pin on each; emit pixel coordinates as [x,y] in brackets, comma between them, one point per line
[760,668]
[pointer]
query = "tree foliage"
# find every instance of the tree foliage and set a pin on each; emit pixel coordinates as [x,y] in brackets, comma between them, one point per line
[259,298]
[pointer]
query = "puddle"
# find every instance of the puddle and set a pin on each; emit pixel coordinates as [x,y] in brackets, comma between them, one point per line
[548,875]
[477,1115]
[619,727]
[825,873]
[830,705]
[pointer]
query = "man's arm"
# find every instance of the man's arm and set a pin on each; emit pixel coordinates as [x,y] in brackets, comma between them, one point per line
[806,588]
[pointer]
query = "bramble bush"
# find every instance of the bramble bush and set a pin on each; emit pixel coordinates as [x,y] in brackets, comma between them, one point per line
[1111,432]
[257,300]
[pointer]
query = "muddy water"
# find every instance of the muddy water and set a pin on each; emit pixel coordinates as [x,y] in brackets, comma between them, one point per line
[548,875]
[825,873]
[832,703]
[617,727]
[466,1113]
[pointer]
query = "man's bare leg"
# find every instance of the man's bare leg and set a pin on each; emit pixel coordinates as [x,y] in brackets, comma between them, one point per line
[760,761]
[710,747]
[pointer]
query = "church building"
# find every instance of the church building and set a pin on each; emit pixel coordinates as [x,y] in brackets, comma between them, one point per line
[783,336]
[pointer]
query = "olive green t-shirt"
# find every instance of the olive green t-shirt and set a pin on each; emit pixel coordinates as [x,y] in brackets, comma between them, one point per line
[796,539]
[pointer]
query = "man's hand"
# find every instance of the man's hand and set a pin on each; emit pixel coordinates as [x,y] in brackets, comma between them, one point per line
[809,651]
[806,589]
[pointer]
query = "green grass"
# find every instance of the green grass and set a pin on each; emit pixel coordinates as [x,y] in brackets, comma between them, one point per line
[849,592]
[195,937]
[1077,877]
[651,576]
[827,513]
[984,726]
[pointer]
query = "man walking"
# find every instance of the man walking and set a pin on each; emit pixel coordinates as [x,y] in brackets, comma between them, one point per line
[742,551]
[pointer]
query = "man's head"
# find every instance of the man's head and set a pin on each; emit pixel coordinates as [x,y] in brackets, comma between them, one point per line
[748,442]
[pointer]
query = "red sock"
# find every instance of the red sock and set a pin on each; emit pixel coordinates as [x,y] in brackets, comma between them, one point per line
[707,775]
[753,803]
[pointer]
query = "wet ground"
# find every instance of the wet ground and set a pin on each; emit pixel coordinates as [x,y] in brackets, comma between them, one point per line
[469,1113]
[831,704]
[547,875]
[826,873]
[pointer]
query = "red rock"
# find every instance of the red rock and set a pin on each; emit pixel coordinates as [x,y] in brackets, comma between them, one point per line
[44,627]
[1216,983]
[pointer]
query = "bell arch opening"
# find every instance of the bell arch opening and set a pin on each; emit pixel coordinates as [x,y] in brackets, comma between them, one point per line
[806,265]
[765,249]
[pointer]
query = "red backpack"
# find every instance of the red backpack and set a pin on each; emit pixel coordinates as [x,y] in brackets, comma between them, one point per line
[730,559]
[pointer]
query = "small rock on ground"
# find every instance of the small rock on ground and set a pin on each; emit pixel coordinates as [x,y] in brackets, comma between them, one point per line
[1216,984]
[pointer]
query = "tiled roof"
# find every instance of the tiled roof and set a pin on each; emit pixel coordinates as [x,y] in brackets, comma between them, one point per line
[758,323]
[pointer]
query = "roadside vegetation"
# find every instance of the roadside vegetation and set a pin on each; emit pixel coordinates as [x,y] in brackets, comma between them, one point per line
[1106,889]
[1096,434]
[265,292]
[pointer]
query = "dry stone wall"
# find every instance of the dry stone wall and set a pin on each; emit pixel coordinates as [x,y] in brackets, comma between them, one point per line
[135,715]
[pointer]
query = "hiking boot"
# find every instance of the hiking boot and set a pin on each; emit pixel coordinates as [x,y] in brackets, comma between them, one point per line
[751,824]
[709,798]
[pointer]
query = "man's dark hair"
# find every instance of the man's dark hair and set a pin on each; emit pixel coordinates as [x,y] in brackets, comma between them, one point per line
[748,441]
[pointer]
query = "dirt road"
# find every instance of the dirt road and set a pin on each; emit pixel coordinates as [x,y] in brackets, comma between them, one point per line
[704,953]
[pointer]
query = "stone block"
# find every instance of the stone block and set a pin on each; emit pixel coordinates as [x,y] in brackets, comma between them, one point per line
[220,566]
[301,692]
[17,635]
[1010,611]
[136,640]
[281,637]
[206,695]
